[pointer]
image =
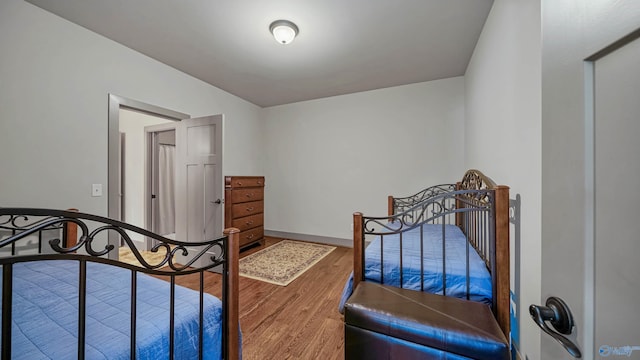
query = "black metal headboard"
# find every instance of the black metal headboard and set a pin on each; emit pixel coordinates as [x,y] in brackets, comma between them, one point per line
[48,229]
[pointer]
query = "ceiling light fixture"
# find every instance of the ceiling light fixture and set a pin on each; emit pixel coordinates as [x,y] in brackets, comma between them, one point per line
[283,31]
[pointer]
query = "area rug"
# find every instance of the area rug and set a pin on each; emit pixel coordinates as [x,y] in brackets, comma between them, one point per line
[126,256]
[283,262]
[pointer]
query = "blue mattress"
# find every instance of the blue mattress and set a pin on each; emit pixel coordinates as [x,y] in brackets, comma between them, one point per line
[456,246]
[45,315]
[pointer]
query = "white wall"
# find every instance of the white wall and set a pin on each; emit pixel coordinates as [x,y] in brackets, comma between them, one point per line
[328,158]
[55,78]
[503,133]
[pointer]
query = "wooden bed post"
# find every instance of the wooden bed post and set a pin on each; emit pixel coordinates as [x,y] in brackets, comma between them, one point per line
[70,232]
[232,294]
[390,211]
[502,258]
[358,249]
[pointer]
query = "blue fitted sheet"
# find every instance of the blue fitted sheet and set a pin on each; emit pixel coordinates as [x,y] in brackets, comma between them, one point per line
[456,246]
[45,315]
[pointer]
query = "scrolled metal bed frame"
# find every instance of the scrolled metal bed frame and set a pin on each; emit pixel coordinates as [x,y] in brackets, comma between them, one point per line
[478,206]
[19,225]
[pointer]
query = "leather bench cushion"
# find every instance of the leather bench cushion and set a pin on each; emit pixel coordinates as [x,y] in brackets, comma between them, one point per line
[369,345]
[452,325]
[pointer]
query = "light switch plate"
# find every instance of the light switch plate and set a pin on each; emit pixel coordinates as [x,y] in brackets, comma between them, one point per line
[96,190]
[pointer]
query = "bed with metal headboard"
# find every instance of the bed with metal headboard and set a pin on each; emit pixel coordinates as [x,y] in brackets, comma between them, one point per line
[449,239]
[64,298]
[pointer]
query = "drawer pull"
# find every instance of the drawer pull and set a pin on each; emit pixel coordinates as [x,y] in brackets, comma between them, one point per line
[259,182]
[238,183]
[250,236]
[249,222]
[250,208]
[249,195]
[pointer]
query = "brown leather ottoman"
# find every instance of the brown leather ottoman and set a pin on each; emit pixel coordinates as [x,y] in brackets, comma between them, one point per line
[384,322]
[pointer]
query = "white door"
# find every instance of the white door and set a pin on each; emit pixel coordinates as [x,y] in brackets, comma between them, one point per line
[199,209]
[590,172]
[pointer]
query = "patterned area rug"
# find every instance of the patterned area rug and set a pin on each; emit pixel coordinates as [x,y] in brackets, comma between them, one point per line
[127,256]
[283,262]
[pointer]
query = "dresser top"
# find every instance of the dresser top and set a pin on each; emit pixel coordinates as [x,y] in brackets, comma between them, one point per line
[243,181]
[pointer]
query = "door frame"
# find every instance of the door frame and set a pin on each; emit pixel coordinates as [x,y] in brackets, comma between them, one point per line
[113,169]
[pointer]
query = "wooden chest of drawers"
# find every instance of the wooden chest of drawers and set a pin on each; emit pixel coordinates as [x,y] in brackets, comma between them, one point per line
[244,207]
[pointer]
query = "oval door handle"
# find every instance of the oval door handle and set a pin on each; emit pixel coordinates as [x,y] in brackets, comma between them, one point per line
[558,314]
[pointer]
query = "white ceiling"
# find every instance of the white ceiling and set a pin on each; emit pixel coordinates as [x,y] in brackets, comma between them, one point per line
[344,46]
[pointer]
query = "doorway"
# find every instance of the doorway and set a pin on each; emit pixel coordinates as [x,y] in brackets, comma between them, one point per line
[140,171]
[163,179]
[198,171]
[160,180]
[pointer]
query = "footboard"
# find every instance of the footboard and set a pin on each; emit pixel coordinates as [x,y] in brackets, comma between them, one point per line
[37,260]
[466,224]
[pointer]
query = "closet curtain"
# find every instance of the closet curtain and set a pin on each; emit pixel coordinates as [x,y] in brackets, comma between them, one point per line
[166,191]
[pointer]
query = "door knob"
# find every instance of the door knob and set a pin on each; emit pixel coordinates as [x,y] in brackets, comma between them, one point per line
[218,201]
[558,314]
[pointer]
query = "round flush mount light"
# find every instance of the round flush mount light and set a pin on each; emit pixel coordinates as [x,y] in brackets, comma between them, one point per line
[283,31]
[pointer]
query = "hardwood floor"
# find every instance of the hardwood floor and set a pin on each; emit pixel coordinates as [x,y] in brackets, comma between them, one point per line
[298,321]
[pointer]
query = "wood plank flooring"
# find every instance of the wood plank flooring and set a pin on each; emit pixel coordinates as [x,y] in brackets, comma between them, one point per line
[298,321]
